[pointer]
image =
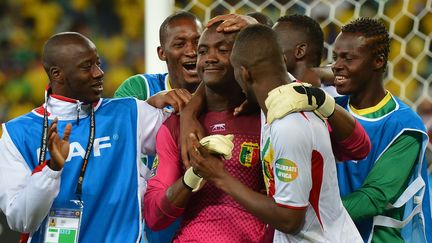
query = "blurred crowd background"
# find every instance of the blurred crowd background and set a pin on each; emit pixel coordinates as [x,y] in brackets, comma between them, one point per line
[117,28]
[409,22]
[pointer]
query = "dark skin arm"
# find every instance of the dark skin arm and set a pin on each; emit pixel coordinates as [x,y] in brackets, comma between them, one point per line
[177,98]
[178,194]
[342,123]
[189,122]
[325,74]
[311,76]
[265,208]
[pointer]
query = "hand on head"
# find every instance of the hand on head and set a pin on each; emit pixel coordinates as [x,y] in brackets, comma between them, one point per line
[231,22]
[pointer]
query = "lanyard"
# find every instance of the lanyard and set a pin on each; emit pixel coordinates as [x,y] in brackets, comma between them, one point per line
[42,154]
[87,154]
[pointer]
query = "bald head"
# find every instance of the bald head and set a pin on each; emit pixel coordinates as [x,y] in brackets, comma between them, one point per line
[58,47]
[73,67]
[257,46]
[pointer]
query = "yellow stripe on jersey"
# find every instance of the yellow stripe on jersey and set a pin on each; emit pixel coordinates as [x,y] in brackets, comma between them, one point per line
[372,109]
[168,83]
[268,155]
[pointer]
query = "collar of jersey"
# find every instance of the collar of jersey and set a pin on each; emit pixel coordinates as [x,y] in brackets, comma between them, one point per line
[65,108]
[374,108]
[167,83]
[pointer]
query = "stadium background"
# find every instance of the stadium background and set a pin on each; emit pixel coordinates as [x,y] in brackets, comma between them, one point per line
[125,33]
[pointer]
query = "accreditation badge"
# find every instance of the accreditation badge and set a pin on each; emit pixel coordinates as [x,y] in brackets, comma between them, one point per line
[63,223]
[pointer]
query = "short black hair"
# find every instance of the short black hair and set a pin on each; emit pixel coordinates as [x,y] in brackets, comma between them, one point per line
[376,33]
[261,18]
[311,30]
[53,52]
[257,45]
[172,18]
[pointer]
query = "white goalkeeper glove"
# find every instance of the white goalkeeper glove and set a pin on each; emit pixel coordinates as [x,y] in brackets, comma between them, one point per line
[295,97]
[217,144]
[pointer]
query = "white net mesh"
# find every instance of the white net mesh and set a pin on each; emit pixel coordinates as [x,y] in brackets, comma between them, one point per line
[409,23]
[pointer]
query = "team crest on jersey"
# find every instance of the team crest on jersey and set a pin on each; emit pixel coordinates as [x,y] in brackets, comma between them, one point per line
[249,154]
[154,166]
[286,170]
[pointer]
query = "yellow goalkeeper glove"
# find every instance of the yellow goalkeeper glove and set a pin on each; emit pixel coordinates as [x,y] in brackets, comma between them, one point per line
[295,97]
[218,144]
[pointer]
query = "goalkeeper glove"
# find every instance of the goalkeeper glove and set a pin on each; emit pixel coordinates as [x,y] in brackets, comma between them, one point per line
[218,144]
[192,180]
[295,97]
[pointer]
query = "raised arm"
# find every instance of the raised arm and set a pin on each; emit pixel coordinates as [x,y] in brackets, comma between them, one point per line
[26,196]
[348,136]
[325,74]
[189,122]
[349,139]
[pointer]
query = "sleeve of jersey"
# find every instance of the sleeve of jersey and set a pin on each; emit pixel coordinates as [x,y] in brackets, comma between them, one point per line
[25,198]
[159,213]
[355,147]
[388,176]
[149,121]
[135,86]
[291,141]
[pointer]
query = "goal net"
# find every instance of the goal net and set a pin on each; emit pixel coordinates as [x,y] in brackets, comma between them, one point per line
[408,21]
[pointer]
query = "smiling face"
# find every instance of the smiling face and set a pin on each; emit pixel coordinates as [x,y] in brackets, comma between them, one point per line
[214,49]
[179,50]
[353,64]
[75,70]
